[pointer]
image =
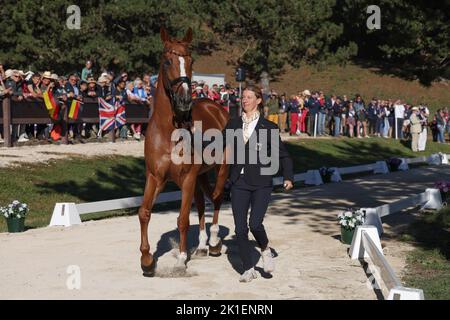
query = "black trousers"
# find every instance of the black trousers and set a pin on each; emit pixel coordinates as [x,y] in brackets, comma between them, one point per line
[243,196]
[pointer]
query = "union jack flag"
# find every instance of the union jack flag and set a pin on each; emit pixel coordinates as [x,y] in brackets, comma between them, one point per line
[111,116]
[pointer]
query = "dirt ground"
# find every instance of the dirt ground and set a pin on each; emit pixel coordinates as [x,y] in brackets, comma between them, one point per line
[311,262]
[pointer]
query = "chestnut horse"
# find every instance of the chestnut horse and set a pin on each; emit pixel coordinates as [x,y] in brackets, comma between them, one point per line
[173,109]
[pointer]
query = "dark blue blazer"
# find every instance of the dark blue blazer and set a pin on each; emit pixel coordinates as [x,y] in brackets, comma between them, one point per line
[252,172]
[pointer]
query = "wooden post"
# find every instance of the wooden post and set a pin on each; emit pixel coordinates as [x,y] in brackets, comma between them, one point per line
[65,126]
[112,135]
[7,122]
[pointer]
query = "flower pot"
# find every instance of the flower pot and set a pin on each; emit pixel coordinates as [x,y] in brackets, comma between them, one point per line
[347,235]
[16,224]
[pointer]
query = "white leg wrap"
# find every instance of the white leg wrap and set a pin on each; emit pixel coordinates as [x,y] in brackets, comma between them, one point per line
[214,238]
[181,261]
[202,239]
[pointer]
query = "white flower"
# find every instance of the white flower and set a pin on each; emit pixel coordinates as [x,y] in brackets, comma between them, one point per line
[351,225]
[348,214]
[10,211]
[19,216]
[15,202]
[24,205]
[21,209]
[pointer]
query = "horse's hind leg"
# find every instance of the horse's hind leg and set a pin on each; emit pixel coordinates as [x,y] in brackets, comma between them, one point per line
[216,196]
[199,198]
[152,189]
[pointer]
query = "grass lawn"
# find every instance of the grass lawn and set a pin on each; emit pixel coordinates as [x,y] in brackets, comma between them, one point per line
[428,266]
[85,180]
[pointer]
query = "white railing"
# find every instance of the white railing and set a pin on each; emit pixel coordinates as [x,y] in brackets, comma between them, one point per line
[366,243]
[430,199]
[68,213]
[366,246]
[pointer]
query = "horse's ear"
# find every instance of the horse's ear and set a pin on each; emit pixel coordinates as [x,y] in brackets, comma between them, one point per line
[164,34]
[188,36]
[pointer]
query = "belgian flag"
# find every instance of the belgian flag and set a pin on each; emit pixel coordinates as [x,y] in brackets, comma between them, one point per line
[74,109]
[51,105]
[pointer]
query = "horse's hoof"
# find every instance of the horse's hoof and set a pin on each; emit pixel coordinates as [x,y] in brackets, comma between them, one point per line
[179,268]
[201,252]
[216,250]
[149,271]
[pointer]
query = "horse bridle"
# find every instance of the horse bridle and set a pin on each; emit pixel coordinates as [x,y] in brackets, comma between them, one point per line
[180,80]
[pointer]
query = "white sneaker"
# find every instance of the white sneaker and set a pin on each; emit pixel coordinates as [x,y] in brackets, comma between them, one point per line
[248,275]
[23,138]
[268,263]
[137,136]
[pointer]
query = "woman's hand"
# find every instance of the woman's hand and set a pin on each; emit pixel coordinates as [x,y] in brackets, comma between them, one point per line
[287,185]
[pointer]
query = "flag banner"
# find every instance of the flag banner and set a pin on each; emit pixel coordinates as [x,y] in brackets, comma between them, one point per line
[50,102]
[111,116]
[51,105]
[74,109]
[120,115]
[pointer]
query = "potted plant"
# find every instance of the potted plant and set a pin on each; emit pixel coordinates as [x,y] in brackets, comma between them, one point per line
[326,173]
[15,214]
[444,188]
[349,220]
[393,164]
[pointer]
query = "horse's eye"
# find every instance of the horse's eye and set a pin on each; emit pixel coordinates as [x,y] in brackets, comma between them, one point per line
[167,63]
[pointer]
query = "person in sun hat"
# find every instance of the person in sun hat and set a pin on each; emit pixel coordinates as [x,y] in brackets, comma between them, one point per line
[416,128]
[199,93]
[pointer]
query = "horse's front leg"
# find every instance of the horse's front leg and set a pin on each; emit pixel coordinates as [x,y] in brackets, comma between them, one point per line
[187,194]
[147,263]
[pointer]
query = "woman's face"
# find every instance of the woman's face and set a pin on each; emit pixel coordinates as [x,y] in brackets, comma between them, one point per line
[36,80]
[250,101]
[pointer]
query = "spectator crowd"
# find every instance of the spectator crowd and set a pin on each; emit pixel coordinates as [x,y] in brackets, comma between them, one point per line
[307,113]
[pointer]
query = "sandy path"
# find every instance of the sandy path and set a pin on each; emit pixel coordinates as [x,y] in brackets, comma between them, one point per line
[45,152]
[311,261]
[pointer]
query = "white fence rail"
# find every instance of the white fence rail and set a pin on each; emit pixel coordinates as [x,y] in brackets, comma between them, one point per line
[430,199]
[366,246]
[67,214]
[366,242]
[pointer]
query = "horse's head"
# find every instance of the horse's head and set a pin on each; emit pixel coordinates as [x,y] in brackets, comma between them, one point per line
[176,66]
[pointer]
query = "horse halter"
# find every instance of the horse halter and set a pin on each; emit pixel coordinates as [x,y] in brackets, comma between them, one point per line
[180,80]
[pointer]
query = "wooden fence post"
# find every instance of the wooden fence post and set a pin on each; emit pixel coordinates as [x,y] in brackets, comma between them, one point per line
[7,122]
[65,126]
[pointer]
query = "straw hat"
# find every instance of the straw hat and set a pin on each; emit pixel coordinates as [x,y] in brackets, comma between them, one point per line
[54,76]
[414,109]
[199,88]
[9,73]
[306,92]
[102,79]
[47,74]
